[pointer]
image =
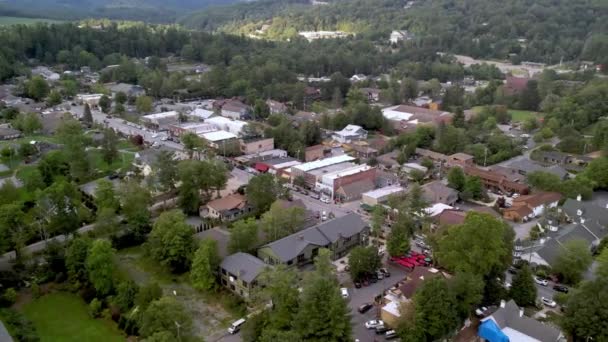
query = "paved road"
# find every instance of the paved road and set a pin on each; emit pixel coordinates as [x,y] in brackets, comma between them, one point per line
[317,205]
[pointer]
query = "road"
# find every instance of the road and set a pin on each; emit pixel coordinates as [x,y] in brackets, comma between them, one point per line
[316,205]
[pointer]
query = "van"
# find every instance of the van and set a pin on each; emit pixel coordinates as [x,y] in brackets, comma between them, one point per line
[236,326]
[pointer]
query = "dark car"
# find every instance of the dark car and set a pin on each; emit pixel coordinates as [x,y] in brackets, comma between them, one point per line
[381,329]
[561,288]
[385,272]
[358,284]
[512,270]
[365,308]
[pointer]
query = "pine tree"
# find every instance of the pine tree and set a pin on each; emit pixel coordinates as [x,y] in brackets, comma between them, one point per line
[523,290]
[87,117]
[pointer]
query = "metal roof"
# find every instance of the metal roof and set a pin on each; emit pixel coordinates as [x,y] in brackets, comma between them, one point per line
[324,162]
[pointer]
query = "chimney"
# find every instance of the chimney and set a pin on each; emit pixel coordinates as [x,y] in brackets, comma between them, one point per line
[503,303]
[578,198]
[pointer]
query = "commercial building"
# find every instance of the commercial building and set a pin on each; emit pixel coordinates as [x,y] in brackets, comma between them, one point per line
[330,182]
[256,145]
[306,170]
[160,121]
[198,128]
[223,124]
[381,195]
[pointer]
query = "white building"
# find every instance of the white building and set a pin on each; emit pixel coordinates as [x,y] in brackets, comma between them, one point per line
[224,124]
[397,36]
[349,134]
[201,114]
[378,196]
[91,99]
[218,138]
[161,121]
[313,35]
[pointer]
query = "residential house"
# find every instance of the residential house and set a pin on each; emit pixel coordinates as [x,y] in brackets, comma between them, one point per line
[90,189]
[379,196]
[432,155]
[460,159]
[46,73]
[276,107]
[311,94]
[353,191]
[160,121]
[568,161]
[8,133]
[527,207]
[233,109]
[388,161]
[509,323]
[526,166]
[495,181]
[301,116]
[228,208]
[592,216]
[349,134]
[413,167]
[423,101]
[256,145]
[239,272]
[515,85]
[315,152]
[339,235]
[358,78]
[362,150]
[201,114]
[399,35]
[371,94]
[131,90]
[437,192]
[145,160]
[406,118]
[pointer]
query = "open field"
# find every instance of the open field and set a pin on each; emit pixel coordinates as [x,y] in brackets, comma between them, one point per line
[63,317]
[516,115]
[4,21]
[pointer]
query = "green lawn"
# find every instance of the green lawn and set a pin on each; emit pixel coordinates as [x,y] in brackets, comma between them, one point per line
[63,317]
[21,20]
[516,115]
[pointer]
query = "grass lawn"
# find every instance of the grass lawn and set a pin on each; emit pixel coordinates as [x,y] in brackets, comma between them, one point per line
[516,115]
[21,20]
[63,317]
[97,162]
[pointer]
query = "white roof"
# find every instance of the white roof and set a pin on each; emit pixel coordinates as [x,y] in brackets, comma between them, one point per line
[201,113]
[346,172]
[197,127]
[415,167]
[437,209]
[382,192]
[218,136]
[88,96]
[392,308]
[324,162]
[350,130]
[162,115]
[286,164]
[222,123]
[391,113]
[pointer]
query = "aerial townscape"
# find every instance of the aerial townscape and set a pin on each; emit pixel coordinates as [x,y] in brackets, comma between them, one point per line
[303,170]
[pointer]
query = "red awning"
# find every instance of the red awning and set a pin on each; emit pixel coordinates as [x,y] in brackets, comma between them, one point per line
[261,167]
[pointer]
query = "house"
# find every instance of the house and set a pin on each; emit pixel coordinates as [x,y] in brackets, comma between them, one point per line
[239,272]
[508,323]
[591,215]
[201,114]
[8,133]
[526,166]
[515,85]
[527,207]
[378,196]
[362,151]
[315,152]
[388,160]
[423,101]
[224,124]
[358,78]
[228,208]
[371,94]
[131,90]
[302,116]
[432,155]
[90,188]
[233,109]
[399,35]
[276,107]
[339,235]
[46,73]
[91,99]
[256,145]
[437,192]
[407,118]
[569,161]
[349,134]
[413,167]
[450,217]
[160,121]
[145,160]
[496,181]
[460,159]
[353,191]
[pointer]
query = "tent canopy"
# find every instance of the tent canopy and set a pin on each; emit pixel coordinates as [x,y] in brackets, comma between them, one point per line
[490,331]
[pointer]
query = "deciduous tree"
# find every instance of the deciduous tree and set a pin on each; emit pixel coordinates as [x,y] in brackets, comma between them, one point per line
[363,261]
[573,260]
[166,315]
[279,221]
[523,289]
[243,236]
[206,261]
[171,242]
[100,266]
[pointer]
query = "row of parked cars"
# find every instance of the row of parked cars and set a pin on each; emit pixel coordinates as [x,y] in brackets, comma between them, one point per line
[373,277]
[381,329]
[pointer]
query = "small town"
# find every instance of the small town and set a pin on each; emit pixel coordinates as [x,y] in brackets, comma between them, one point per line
[175,185]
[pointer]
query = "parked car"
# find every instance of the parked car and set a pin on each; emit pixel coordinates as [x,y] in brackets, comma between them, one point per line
[385,272]
[344,292]
[357,284]
[236,326]
[541,281]
[365,307]
[379,275]
[325,200]
[391,334]
[315,195]
[480,312]
[561,288]
[381,329]
[548,302]
[374,323]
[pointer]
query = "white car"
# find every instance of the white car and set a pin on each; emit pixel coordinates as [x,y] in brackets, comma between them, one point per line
[541,281]
[548,302]
[344,291]
[373,323]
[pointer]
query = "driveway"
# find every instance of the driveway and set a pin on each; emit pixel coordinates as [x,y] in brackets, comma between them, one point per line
[522,230]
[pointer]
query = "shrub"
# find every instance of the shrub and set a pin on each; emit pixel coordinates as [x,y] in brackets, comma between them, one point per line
[35,291]
[9,297]
[95,308]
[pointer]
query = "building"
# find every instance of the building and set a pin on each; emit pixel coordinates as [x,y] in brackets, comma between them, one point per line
[407,118]
[201,114]
[306,170]
[276,107]
[527,207]
[388,161]
[315,152]
[495,181]
[276,166]
[437,192]
[91,99]
[329,182]
[314,35]
[509,323]
[131,90]
[198,128]
[8,133]
[233,109]
[46,73]
[371,94]
[339,235]
[235,127]
[261,156]
[432,155]
[526,166]
[146,159]
[413,167]
[256,145]
[221,141]
[400,35]
[239,272]
[349,134]
[460,159]
[353,191]
[379,196]
[228,208]
[569,161]
[160,121]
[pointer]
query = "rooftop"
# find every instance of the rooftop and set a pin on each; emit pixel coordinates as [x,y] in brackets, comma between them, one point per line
[510,316]
[218,136]
[324,162]
[162,115]
[228,202]
[382,192]
[245,266]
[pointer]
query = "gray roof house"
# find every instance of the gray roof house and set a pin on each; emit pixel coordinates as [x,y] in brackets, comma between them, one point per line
[437,192]
[338,235]
[526,166]
[517,327]
[239,271]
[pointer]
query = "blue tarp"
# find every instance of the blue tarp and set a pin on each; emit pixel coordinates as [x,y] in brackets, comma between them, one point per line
[491,332]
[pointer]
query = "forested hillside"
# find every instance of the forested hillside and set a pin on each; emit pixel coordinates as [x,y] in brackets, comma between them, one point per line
[533,30]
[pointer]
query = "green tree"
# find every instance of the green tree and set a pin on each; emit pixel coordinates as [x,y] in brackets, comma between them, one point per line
[120,98]
[107,221]
[279,221]
[279,285]
[398,242]
[147,294]
[166,315]
[100,266]
[171,242]
[126,292]
[409,89]
[87,116]
[262,191]
[166,170]
[105,196]
[59,206]
[378,218]
[105,104]
[135,201]
[467,290]
[436,309]
[473,188]
[458,120]
[523,289]
[109,146]
[327,322]
[53,99]
[529,99]
[363,261]
[75,259]
[206,261]
[14,231]
[572,261]
[37,88]
[143,104]
[479,245]
[456,178]
[597,172]
[192,142]
[31,178]
[70,133]
[28,123]
[243,236]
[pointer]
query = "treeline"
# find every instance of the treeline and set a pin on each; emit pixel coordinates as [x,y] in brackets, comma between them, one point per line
[544,31]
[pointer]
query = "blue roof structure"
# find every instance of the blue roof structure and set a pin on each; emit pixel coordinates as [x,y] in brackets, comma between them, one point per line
[490,331]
